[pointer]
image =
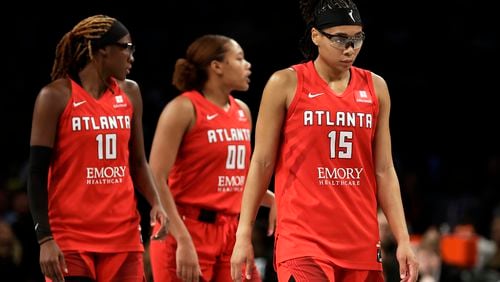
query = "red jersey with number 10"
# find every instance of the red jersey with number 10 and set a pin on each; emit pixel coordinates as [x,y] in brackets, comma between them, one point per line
[325,182]
[92,205]
[213,158]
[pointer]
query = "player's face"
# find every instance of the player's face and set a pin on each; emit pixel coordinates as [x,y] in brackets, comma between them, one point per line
[236,70]
[121,57]
[339,45]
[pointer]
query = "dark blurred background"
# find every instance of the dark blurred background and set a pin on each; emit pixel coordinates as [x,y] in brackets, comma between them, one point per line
[438,58]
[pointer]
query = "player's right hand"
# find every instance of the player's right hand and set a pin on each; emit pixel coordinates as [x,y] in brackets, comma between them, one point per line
[52,261]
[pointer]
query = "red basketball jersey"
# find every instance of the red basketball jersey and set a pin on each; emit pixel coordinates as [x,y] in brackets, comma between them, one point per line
[212,162]
[92,205]
[325,183]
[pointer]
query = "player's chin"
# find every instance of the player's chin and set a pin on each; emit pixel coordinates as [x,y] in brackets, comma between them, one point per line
[244,86]
[121,76]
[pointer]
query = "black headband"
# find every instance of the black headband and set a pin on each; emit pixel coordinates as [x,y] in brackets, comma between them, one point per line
[327,17]
[115,33]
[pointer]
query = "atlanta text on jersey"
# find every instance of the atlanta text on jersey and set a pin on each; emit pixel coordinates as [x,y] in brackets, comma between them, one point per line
[345,119]
[228,134]
[98,123]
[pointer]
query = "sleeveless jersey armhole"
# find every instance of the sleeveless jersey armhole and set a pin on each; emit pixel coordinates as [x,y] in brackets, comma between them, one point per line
[190,96]
[371,87]
[298,69]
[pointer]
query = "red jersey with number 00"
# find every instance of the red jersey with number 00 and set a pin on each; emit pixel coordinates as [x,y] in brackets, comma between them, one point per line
[212,162]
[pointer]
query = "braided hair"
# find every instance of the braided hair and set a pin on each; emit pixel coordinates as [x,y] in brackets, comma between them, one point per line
[74,50]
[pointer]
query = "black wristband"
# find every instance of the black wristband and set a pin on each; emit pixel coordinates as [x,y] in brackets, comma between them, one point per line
[46,239]
[39,162]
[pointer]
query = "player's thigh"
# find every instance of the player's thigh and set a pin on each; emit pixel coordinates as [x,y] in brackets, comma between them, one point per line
[123,267]
[222,272]
[305,269]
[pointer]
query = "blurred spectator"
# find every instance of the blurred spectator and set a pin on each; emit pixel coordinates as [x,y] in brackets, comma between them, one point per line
[432,268]
[10,252]
[491,269]
[4,204]
[490,194]
[22,225]
[494,262]
[263,247]
[388,247]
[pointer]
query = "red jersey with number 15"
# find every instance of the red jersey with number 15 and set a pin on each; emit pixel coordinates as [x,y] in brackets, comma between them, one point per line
[213,158]
[325,181]
[92,205]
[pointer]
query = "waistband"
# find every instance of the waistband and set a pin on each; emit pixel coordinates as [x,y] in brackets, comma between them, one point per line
[206,215]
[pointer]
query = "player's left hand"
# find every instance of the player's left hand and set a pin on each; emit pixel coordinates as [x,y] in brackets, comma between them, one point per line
[159,216]
[408,264]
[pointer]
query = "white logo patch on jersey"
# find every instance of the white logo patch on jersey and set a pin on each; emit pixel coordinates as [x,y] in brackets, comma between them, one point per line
[241,115]
[119,102]
[363,97]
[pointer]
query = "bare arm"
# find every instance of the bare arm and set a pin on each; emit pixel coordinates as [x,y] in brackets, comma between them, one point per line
[49,105]
[268,199]
[139,168]
[272,112]
[275,100]
[389,195]
[175,120]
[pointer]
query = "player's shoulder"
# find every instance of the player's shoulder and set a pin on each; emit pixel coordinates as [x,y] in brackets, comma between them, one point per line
[129,86]
[181,103]
[378,80]
[283,77]
[241,103]
[59,88]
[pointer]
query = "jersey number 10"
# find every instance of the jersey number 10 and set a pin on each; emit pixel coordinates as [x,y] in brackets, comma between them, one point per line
[106,146]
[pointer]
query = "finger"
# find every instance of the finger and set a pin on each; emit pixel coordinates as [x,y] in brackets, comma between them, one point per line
[192,274]
[161,233]
[270,228]
[153,218]
[200,274]
[46,271]
[155,236]
[55,270]
[403,271]
[248,269]
[413,272]
[179,271]
[183,274]
[236,272]
[62,263]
